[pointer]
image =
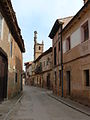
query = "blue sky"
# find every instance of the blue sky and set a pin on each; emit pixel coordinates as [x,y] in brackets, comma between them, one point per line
[40,15]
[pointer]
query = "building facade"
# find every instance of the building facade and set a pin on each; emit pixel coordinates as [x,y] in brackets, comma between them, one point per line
[11,49]
[28,72]
[76,56]
[56,42]
[75,63]
[43,69]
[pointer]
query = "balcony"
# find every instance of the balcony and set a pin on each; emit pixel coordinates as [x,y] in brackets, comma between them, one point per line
[38,69]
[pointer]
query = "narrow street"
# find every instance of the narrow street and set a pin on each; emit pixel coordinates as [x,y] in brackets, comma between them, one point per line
[37,105]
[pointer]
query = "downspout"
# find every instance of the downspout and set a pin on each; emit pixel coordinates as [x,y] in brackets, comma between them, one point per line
[61,59]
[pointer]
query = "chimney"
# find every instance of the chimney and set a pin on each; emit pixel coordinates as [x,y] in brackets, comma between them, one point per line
[85,1]
[35,37]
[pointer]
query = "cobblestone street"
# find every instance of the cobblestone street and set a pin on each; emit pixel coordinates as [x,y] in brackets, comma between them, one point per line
[37,105]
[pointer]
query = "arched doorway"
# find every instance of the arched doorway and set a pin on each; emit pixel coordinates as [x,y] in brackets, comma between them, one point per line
[3,74]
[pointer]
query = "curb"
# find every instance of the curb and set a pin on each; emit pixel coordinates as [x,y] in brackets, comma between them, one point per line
[69,105]
[11,110]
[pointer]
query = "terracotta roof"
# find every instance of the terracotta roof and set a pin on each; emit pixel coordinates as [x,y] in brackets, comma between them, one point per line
[57,25]
[8,13]
[43,54]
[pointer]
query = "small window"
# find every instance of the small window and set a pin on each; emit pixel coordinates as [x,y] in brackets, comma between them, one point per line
[87,77]
[39,48]
[16,77]
[68,43]
[9,36]
[85,31]
[44,63]
[59,46]
[55,59]
[11,48]
[59,77]
[47,62]
[55,78]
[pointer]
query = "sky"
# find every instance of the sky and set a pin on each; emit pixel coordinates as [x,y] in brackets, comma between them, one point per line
[40,16]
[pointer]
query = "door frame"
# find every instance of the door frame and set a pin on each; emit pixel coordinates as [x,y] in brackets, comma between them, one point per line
[68,83]
[4,62]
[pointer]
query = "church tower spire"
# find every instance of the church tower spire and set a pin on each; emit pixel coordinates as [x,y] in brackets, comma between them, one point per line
[35,37]
[38,47]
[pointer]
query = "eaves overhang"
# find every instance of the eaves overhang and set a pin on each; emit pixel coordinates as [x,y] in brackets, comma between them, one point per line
[77,17]
[8,13]
[55,28]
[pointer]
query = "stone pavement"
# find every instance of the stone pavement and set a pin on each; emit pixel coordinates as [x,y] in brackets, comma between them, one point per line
[41,104]
[70,103]
[36,104]
[7,106]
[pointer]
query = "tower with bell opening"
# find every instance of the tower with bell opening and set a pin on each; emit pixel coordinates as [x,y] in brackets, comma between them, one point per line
[38,48]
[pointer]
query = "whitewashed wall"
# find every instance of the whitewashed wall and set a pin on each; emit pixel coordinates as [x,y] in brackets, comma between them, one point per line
[76,38]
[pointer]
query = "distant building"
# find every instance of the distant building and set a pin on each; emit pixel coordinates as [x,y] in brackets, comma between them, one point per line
[11,49]
[38,48]
[43,70]
[28,72]
[39,72]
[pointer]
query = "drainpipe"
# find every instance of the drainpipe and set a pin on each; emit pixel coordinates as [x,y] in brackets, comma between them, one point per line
[61,59]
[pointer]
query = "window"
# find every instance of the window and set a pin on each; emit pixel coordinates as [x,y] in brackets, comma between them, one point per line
[47,62]
[16,77]
[55,56]
[59,46]
[9,37]
[0,26]
[39,48]
[44,63]
[86,77]
[85,31]
[68,43]
[59,77]
[55,78]
[11,48]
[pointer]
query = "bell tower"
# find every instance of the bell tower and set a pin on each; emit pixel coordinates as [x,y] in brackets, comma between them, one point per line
[38,48]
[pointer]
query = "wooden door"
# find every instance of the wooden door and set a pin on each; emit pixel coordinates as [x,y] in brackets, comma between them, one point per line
[3,78]
[68,83]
